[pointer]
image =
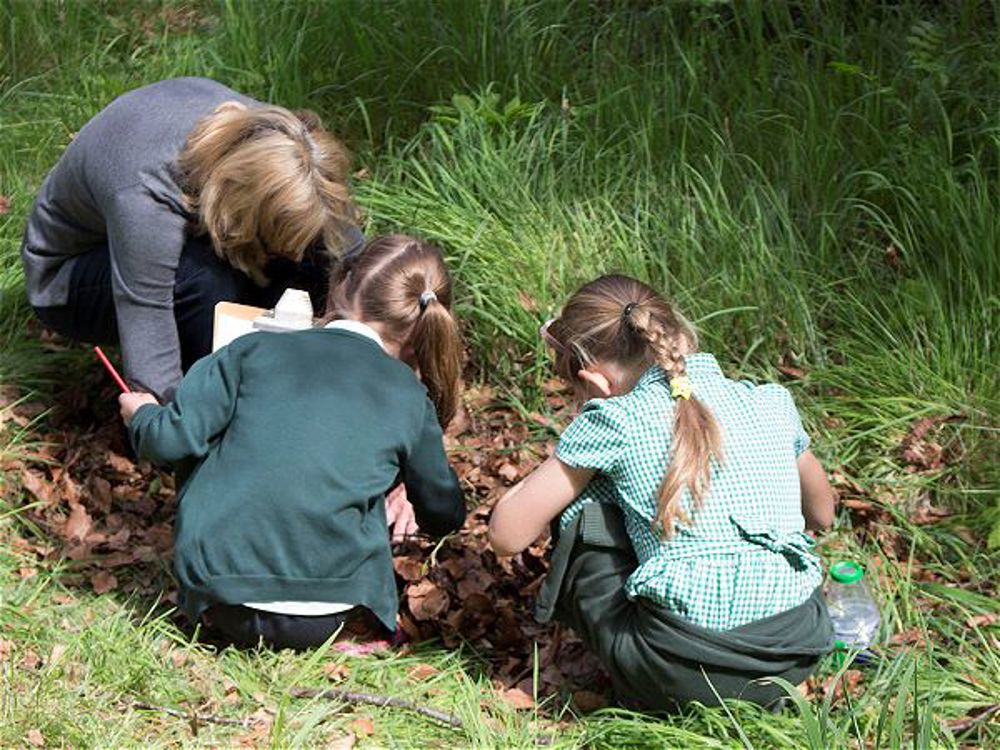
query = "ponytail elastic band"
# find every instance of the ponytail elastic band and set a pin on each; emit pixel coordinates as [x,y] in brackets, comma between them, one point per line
[629,309]
[680,387]
[426,298]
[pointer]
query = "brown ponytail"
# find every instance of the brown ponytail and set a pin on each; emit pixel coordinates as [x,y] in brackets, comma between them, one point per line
[438,354]
[619,319]
[402,283]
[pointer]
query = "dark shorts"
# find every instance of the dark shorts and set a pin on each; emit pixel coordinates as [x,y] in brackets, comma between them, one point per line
[247,628]
[658,660]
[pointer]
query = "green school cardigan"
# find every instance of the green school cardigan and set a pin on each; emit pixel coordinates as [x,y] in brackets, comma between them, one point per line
[292,440]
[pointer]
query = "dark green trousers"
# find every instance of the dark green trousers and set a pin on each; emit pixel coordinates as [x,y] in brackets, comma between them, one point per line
[658,660]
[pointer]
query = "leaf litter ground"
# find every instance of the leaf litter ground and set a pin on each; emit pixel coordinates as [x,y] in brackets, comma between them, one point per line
[107,520]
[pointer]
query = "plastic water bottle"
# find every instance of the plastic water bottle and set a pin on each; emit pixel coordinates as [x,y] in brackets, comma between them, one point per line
[854,612]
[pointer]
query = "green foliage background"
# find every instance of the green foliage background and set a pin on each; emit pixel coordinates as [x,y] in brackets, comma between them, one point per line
[814,182]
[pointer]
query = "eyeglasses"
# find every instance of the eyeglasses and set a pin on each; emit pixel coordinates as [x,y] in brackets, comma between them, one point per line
[547,337]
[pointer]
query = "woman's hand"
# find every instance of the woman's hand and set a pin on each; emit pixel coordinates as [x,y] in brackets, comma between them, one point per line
[128,403]
[399,514]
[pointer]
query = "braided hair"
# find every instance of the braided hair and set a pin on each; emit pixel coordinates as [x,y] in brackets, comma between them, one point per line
[619,319]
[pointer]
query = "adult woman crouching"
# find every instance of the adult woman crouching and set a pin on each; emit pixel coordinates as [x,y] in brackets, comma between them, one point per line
[178,195]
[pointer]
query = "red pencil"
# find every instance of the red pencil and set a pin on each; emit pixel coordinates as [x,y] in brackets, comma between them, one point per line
[111,370]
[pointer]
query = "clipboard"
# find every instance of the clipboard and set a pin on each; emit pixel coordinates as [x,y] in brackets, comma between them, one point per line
[232,320]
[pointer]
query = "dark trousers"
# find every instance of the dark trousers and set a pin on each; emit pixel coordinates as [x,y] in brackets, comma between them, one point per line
[202,280]
[247,628]
[658,660]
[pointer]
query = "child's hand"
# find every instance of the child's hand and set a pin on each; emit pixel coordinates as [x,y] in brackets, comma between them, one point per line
[128,403]
[399,514]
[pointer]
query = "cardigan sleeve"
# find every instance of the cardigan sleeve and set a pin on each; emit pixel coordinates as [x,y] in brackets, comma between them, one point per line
[202,408]
[145,241]
[431,484]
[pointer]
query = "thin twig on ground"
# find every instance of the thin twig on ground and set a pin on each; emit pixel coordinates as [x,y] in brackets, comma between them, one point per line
[193,717]
[964,725]
[346,696]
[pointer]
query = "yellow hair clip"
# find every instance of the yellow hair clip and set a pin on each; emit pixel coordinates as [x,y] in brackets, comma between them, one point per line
[680,387]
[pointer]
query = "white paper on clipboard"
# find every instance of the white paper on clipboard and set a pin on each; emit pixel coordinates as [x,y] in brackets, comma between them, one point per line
[233,320]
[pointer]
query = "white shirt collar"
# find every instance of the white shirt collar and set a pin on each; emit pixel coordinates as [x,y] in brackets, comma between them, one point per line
[356,326]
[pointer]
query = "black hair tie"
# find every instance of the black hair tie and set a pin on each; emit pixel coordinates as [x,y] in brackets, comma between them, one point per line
[629,309]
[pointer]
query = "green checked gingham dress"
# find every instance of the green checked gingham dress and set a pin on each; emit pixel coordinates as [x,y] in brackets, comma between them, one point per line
[745,556]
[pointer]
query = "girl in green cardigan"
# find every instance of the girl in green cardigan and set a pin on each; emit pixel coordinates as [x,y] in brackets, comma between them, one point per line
[290,442]
[682,498]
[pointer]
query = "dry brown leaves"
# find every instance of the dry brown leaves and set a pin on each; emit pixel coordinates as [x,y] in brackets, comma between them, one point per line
[95,506]
[851,683]
[921,449]
[464,593]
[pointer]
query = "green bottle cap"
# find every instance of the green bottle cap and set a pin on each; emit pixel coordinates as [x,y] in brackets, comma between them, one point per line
[847,571]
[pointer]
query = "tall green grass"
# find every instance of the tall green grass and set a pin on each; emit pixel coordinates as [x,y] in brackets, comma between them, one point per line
[815,183]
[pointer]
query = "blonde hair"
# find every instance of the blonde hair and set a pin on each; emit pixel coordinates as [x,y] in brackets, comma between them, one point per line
[403,283]
[619,319]
[265,183]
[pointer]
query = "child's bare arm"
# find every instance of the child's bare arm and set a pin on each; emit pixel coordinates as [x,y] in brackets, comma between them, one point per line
[528,507]
[818,499]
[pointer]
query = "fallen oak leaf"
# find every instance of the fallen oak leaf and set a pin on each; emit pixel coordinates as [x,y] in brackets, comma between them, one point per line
[103,582]
[928,514]
[982,621]
[347,742]
[426,600]
[910,637]
[363,726]
[792,371]
[78,524]
[587,701]
[71,491]
[336,672]
[39,487]
[857,503]
[56,655]
[421,672]
[31,660]
[119,463]
[509,472]
[918,450]
[408,568]
[99,490]
[527,302]
[518,699]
